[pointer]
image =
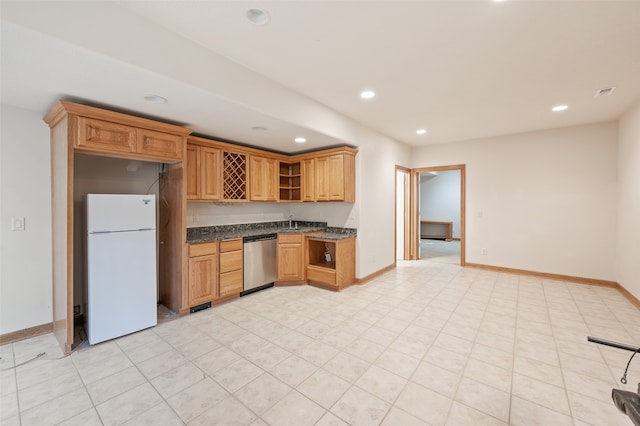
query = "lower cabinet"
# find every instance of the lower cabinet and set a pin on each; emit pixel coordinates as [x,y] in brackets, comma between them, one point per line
[331,263]
[290,259]
[215,271]
[203,273]
[231,272]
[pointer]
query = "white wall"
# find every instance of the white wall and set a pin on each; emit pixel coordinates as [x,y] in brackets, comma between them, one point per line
[25,191]
[628,253]
[440,198]
[542,201]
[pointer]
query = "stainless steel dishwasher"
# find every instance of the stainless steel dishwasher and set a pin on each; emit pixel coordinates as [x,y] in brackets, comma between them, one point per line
[260,263]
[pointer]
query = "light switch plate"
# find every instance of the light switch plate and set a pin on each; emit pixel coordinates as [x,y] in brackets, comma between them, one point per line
[17,223]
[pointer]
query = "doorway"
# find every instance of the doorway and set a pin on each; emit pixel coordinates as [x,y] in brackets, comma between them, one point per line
[443,225]
[402,214]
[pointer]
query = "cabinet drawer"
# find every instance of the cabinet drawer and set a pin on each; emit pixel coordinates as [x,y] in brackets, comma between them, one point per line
[202,249]
[231,245]
[321,275]
[230,283]
[105,136]
[230,261]
[290,238]
[158,144]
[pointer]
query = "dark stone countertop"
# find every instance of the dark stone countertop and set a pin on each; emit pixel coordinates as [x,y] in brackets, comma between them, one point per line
[224,232]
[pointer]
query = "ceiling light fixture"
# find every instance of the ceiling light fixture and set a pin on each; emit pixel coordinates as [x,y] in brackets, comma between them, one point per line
[300,140]
[367,94]
[258,16]
[559,108]
[259,128]
[155,99]
[421,131]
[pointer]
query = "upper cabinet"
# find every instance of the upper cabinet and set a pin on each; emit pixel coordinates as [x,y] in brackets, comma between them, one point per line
[335,178]
[204,174]
[110,138]
[220,171]
[264,179]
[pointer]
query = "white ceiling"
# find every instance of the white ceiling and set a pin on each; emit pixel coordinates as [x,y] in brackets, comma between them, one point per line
[461,69]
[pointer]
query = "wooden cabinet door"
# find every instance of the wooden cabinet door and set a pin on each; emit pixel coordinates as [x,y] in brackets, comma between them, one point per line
[308,173]
[231,283]
[257,186]
[290,262]
[335,177]
[210,174]
[104,136]
[159,145]
[322,176]
[192,168]
[203,273]
[271,179]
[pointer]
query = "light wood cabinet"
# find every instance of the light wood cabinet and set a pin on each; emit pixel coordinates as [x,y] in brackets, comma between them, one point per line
[290,181]
[203,273]
[204,177]
[290,253]
[335,178]
[331,263]
[231,271]
[264,176]
[105,137]
[234,176]
[308,174]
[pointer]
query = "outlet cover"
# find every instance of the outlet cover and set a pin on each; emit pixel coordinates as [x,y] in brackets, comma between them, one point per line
[17,223]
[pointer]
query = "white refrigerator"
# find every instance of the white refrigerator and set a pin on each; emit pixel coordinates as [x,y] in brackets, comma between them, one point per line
[121,265]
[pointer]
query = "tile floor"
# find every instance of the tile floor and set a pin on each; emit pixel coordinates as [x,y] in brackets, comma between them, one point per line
[426,344]
[440,251]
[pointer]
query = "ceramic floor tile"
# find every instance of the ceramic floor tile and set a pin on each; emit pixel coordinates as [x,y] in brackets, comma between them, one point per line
[108,387]
[597,370]
[86,418]
[293,341]
[317,352]
[40,371]
[357,407]
[589,386]
[453,344]
[228,412]
[45,391]
[323,388]
[198,398]
[216,360]
[541,393]
[293,370]
[128,405]
[424,404]
[262,393]
[446,359]
[154,346]
[538,370]
[460,415]
[8,406]
[346,366]
[338,339]
[527,413]
[488,374]
[484,398]
[398,417]
[330,420]
[173,381]
[365,350]
[158,415]
[410,346]
[493,356]
[294,410]
[595,412]
[381,383]
[162,363]
[436,378]
[197,348]
[57,410]
[237,375]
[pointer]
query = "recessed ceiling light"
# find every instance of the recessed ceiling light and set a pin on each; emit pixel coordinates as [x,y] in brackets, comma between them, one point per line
[155,99]
[259,128]
[559,108]
[258,16]
[367,94]
[421,131]
[300,140]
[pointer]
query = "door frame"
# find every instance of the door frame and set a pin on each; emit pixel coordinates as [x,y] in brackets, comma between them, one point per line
[407,209]
[415,208]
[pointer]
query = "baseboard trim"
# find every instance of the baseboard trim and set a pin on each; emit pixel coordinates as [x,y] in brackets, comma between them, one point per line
[630,297]
[16,336]
[579,280]
[376,274]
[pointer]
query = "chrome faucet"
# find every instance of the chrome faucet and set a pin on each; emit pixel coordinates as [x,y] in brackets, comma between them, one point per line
[290,217]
